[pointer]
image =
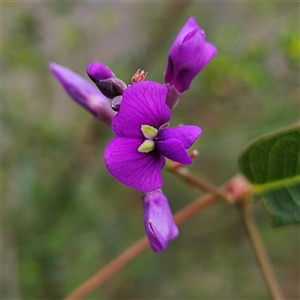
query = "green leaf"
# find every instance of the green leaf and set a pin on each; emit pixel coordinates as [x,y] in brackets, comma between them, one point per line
[272,164]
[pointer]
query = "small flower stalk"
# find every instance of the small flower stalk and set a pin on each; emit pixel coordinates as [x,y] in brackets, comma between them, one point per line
[158,220]
[139,116]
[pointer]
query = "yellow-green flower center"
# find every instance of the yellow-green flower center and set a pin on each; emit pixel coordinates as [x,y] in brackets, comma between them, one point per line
[149,133]
[147,146]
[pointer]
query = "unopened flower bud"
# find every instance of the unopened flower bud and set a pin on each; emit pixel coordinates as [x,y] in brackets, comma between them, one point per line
[158,220]
[106,81]
[97,72]
[83,93]
[189,54]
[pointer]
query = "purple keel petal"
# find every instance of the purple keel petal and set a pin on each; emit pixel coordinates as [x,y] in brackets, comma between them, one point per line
[141,171]
[174,150]
[158,220]
[186,134]
[143,103]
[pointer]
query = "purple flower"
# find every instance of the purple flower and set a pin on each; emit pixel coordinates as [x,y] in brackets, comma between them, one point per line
[189,54]
[83,93]
[137,154]
[106,80]
[158,220]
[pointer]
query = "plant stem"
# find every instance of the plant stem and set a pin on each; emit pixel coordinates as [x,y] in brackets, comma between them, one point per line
[260,252]
[138,247]
[109,270]
[180,217]
[190,210]
[197,182]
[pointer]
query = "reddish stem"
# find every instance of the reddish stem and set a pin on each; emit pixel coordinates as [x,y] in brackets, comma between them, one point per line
[260,252]
[128,255]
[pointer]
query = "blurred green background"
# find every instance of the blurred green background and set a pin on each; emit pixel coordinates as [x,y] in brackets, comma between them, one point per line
[64,216]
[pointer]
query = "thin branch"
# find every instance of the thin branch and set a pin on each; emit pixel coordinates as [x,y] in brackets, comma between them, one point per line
[190,210]
[137,248]
[239,195]
[109,270]
[197,182]
[260,252]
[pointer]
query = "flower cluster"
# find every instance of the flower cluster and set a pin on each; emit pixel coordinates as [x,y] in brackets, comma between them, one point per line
[138,115]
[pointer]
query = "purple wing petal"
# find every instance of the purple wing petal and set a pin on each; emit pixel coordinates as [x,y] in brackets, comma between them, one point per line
[141,171]
[186,134]
[174,150]
[143,103]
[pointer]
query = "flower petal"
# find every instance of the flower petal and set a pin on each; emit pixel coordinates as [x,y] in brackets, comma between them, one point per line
[187,134]
[97,72]
[83,92]
[158,220]
[174,150]
[141,171]
[143,103]
[189,27]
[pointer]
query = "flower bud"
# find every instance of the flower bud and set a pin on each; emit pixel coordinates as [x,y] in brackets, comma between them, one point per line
[158,220]
[106,81]
[83,93]
[97,72]
[189,54]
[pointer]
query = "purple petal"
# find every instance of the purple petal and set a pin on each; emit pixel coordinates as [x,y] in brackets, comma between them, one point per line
[188,55]
[83,92]
[97,72]
[141,171]
[187,134]
[158,220]
[187,29]
[143,103]
[174,150]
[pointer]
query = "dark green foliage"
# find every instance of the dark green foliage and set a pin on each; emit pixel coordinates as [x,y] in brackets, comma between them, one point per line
[272,164]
